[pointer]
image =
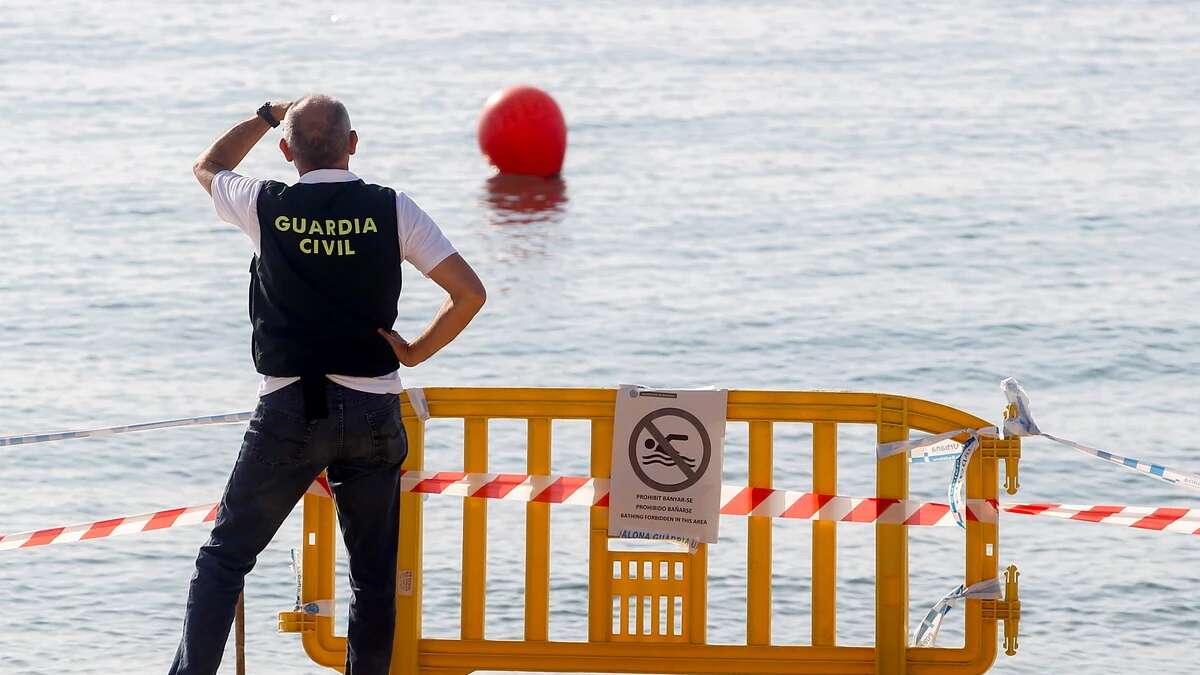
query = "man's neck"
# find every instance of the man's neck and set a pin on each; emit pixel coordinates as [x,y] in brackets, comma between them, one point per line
[343,166]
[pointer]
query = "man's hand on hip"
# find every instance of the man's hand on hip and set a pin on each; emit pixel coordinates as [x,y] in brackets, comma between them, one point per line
[403,350]
[467,296]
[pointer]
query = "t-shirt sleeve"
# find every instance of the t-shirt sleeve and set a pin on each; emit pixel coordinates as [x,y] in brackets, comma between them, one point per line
[421,241]
[236,200]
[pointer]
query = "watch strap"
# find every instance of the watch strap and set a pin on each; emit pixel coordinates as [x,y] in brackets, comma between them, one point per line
[264,111]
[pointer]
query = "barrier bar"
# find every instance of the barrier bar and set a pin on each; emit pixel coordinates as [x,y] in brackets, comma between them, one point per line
[474,545]
[758,541]
[824,539]
[537,538]
[409,559]
[600,571]
[891,546]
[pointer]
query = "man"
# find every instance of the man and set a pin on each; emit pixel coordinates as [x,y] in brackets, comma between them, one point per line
[324,284]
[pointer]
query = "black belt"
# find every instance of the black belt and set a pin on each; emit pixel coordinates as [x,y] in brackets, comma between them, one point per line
[315,405]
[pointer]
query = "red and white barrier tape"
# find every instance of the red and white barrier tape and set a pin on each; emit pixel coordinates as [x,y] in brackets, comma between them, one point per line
[584,491]
[1166,519]
[146,522]
[112,527]
[735,500]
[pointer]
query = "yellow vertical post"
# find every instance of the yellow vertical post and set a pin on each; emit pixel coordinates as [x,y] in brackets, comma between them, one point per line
[983,546]
[697,607]
[474,546]
[318,554]
[537,538]
[891,547]
[408,561]
[824,539]
[758,541]
[600,607]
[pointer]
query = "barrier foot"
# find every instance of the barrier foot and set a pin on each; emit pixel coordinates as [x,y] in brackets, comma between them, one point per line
[1007,610]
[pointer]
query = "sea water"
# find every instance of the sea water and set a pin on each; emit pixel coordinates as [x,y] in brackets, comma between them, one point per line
[915,198]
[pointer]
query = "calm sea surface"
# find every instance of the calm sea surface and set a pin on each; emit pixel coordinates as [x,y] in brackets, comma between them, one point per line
[902,197]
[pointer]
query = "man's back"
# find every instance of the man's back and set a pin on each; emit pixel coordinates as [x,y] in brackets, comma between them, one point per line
[327,276]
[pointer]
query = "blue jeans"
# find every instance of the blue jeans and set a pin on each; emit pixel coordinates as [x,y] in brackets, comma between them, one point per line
[361,443]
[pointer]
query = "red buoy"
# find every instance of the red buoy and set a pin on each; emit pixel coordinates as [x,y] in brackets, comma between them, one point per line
[521,131]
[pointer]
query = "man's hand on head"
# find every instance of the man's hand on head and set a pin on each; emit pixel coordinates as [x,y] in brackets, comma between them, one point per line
[279,110]
[232,147]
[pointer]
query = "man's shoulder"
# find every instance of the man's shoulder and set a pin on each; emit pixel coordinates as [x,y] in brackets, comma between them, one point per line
[382,189]
[272,187]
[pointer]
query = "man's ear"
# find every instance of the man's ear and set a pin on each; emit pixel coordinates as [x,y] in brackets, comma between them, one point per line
[287,152]
[353,142]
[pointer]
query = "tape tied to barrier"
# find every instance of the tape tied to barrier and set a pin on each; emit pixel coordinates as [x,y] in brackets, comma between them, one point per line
[317,608]
[939,447]
[1021,424]
[927,633]
[943,447]
[956,493]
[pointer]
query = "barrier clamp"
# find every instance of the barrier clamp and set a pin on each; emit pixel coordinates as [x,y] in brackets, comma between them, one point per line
[297,621]
[1007,449]
[303,618]
[1006,609]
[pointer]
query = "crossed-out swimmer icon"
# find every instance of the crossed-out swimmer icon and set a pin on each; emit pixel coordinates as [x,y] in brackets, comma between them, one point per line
[661,456]
[655,456]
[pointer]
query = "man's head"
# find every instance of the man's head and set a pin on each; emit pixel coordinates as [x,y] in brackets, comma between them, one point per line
[317,134]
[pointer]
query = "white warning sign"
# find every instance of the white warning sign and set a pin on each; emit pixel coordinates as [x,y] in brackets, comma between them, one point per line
[668,446]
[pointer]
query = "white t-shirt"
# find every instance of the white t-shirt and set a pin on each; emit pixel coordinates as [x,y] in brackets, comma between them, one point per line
[421,243]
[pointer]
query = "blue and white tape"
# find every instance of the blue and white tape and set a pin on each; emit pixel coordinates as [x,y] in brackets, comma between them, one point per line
[1022,424]
[957,492]
[937,448]
[416,397]
[942,451]
[927,632]
[229,418]
[420,406]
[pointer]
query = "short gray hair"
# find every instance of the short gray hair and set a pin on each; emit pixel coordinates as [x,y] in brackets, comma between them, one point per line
[317,129]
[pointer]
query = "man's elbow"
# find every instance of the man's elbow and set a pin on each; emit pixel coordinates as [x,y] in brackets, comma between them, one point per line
[474,297]
[204,171]
[203,166]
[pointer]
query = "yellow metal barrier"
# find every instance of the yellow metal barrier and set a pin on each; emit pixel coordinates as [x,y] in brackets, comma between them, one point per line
[673,586]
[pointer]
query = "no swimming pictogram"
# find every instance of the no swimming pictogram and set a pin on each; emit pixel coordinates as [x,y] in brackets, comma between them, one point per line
[669,449]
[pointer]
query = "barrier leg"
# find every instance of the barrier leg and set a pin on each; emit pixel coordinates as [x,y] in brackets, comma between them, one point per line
[408,562]
[537,539]
[891,548]
[600,602]
[758,541]
[824,539]
[474,549]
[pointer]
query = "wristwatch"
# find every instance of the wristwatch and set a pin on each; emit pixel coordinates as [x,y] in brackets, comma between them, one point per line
[264,111]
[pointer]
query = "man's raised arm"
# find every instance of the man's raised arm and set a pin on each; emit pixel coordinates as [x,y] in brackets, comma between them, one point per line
[467,296]
[232,147]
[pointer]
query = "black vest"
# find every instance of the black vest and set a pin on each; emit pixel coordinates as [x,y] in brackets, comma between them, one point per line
[326,277]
